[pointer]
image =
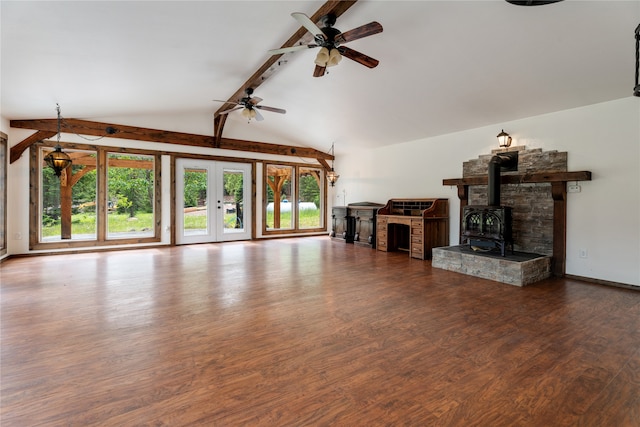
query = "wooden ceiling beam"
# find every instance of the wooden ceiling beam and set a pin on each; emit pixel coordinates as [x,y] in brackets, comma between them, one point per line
[269,68]
[48,127]
[18,149]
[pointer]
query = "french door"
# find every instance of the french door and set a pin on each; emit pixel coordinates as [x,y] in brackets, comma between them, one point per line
[213,201]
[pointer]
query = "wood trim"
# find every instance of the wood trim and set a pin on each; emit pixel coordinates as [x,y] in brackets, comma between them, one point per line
[86,127]
[558,261]
[18,149]
[527,178]
[101,196]
[173,192]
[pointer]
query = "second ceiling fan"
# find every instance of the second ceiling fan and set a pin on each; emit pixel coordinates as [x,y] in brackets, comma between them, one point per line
[250,106]
[330,39]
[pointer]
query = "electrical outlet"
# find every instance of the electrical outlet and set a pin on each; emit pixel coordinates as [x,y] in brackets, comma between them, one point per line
[583,253]
[573,188]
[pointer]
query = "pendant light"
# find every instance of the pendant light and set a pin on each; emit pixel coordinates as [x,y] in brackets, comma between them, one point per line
[57,159]
[332,176]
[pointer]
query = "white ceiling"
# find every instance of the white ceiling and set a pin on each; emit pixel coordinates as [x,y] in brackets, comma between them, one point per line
[445,66]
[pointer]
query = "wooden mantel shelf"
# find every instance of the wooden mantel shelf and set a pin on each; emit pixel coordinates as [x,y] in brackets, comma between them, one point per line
[529,178]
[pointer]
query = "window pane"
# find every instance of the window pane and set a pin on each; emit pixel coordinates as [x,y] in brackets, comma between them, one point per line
[195,202]
[309,198]
[130,195]
[279,214]
[69,202]
[233,201]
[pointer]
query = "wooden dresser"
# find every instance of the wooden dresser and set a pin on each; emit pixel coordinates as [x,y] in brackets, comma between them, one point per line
[413,225]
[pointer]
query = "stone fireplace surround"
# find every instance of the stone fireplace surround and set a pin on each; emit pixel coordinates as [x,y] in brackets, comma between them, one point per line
[536,192]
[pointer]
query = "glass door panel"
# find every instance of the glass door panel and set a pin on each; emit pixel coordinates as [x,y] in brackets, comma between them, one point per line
[195,215]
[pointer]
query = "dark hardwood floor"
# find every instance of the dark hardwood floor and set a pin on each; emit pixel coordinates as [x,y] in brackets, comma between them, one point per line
[307,331]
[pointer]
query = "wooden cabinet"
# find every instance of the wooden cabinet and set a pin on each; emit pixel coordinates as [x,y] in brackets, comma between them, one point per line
[413,225]
[355,223]
[342,224]
[364,215]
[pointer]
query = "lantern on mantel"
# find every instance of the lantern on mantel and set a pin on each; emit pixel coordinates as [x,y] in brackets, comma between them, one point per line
[504,139]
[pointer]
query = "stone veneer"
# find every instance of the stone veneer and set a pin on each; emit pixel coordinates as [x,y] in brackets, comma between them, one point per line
[517,272]
[531,204]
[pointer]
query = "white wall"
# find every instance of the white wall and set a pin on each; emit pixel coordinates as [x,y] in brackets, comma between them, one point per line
[604,218]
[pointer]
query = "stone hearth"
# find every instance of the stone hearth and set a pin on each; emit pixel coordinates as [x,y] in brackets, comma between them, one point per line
[518,268]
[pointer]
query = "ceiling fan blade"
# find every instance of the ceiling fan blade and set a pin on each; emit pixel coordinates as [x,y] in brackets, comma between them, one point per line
[258,117]
[361,58]
[291,49]
[272,109]
[231,109]
[306,22]
[226,102]
[357,33]
[319,71]
[254,100]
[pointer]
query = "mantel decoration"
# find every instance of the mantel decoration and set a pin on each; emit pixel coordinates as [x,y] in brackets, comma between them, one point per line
[504,139]
[636,88]
[57,159]
[332,176]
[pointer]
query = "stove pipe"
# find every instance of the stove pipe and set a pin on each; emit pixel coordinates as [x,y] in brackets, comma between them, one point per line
[506,161]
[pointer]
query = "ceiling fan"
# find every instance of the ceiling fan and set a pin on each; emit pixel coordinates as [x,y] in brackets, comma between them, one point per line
[329,40]
[250,107]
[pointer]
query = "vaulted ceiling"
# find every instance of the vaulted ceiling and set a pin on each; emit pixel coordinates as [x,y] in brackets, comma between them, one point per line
[445,66]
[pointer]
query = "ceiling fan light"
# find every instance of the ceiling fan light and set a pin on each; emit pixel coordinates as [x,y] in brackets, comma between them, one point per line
[323,57]
[334,58]
[252,113]
[246,113]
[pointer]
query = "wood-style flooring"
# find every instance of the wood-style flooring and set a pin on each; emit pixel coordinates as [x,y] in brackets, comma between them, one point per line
[307,332]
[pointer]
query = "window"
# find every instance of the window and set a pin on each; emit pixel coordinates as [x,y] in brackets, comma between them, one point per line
[102,198]
[309,197]
[294,198]
[279,215]
[68,203]
[130,195]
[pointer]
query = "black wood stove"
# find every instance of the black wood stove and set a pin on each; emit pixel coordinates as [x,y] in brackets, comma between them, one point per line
[490,227]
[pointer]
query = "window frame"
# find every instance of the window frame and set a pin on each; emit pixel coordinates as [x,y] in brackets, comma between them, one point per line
[296,229]
[36,165]
[4,149]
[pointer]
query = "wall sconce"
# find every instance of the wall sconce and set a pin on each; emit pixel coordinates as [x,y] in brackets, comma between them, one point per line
[57,159]
[332,176]
[636,88]
[504,139]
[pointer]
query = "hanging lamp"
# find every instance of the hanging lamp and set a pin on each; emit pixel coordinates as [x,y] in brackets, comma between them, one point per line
[332,176]
[57,159]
